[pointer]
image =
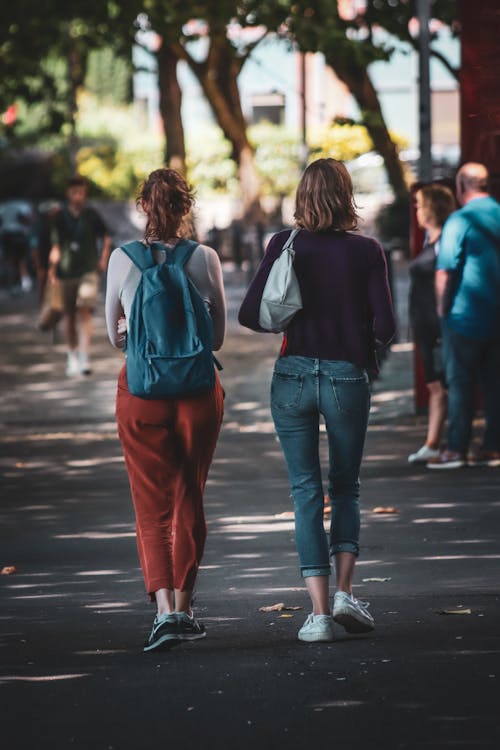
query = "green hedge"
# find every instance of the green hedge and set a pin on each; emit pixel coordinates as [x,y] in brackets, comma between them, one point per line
[117,152]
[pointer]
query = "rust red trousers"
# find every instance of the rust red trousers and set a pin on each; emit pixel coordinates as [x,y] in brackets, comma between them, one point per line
[168,447]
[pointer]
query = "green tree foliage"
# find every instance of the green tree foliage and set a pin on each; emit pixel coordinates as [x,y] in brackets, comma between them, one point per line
[350,46]
[109,76]
[32,36]
[395,17]
[48,51]
[316,26]
[116,154]
[216,68]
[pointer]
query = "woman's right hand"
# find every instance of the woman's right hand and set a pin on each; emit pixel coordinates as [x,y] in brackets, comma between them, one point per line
[121,329]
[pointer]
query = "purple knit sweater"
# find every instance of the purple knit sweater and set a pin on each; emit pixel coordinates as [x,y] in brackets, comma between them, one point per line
[347,308]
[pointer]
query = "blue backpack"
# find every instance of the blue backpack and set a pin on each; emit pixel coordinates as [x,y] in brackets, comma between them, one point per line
[170,331]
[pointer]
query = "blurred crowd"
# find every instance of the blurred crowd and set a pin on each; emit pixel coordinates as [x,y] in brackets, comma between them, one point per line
[455,318]
[62,248]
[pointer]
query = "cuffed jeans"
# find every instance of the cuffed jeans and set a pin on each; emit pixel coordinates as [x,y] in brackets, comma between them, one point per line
[469,362]
[302,389]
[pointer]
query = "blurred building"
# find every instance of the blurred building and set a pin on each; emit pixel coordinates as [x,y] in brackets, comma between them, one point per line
[480,83]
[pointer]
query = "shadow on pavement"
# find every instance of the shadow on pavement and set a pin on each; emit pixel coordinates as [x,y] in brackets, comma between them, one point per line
[74,613]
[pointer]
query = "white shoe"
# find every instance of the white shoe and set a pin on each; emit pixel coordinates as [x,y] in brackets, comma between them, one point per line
[26,284]
[423,455]
[72,365]
[84,363]
[316,628]
[352,614]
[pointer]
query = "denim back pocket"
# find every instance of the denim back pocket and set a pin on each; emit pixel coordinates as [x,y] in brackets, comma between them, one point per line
[352,395]
[286,390]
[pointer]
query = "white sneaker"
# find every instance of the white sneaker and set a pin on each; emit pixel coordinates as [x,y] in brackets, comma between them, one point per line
[423,455]
[316,628]
[72,365]
[352,614]
[84,363]
[26,283]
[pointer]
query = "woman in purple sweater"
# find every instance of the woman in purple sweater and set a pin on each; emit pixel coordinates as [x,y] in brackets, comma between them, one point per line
[322,370]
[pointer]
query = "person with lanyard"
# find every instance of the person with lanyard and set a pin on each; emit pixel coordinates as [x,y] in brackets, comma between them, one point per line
[75,262]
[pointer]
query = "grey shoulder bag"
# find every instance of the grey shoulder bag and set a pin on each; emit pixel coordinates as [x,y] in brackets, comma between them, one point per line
[281,297]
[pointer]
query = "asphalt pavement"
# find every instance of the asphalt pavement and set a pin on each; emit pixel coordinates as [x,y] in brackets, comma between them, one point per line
[74,614]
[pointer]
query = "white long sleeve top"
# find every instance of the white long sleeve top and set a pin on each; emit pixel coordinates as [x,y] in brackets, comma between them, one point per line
[203,269]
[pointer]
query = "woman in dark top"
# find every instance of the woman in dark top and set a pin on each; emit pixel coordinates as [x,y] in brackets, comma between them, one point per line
[434,203]
[322,371]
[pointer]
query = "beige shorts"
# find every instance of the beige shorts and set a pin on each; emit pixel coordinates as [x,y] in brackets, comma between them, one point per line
[80,292]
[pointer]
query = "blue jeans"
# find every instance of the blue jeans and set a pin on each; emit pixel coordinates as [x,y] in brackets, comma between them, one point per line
[469,362]
[302,389]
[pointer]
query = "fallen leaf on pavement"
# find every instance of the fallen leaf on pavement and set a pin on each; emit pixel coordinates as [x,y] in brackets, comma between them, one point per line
[454,611]
[283,616]
[8,570]
[375,580]
[277,608]
[285,514]
[384,509]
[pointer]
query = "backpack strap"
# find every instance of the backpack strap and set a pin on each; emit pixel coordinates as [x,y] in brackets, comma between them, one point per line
[180,254]
[140,254]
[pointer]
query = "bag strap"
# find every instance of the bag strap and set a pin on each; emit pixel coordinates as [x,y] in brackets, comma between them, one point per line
[139,253]
[289,243]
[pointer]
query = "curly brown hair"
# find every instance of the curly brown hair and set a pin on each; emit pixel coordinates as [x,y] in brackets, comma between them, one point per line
[166,199]
[324,200]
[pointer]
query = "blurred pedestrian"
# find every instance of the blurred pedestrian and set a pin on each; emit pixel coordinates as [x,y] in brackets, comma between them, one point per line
[214,239]
[77,230]
[468,298]
[168,443]
[17,220]
[41,245]
[322,371]
[434,203]
[237,246]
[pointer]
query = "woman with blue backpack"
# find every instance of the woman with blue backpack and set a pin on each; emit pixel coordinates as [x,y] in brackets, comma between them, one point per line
[165,307]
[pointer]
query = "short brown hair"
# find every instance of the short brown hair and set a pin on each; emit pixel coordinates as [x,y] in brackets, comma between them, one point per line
[438,202]
[77,180]
[324,199]
[166,198]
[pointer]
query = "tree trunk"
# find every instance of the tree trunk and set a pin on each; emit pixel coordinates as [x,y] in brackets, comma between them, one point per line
[75,77]
[218,78]
[170,108]
[359,83]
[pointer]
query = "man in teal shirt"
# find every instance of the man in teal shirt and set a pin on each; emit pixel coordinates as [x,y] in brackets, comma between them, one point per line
[468,297]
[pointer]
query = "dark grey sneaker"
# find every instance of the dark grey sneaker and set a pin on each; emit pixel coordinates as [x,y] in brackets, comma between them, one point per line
[189,629]
[165,633]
